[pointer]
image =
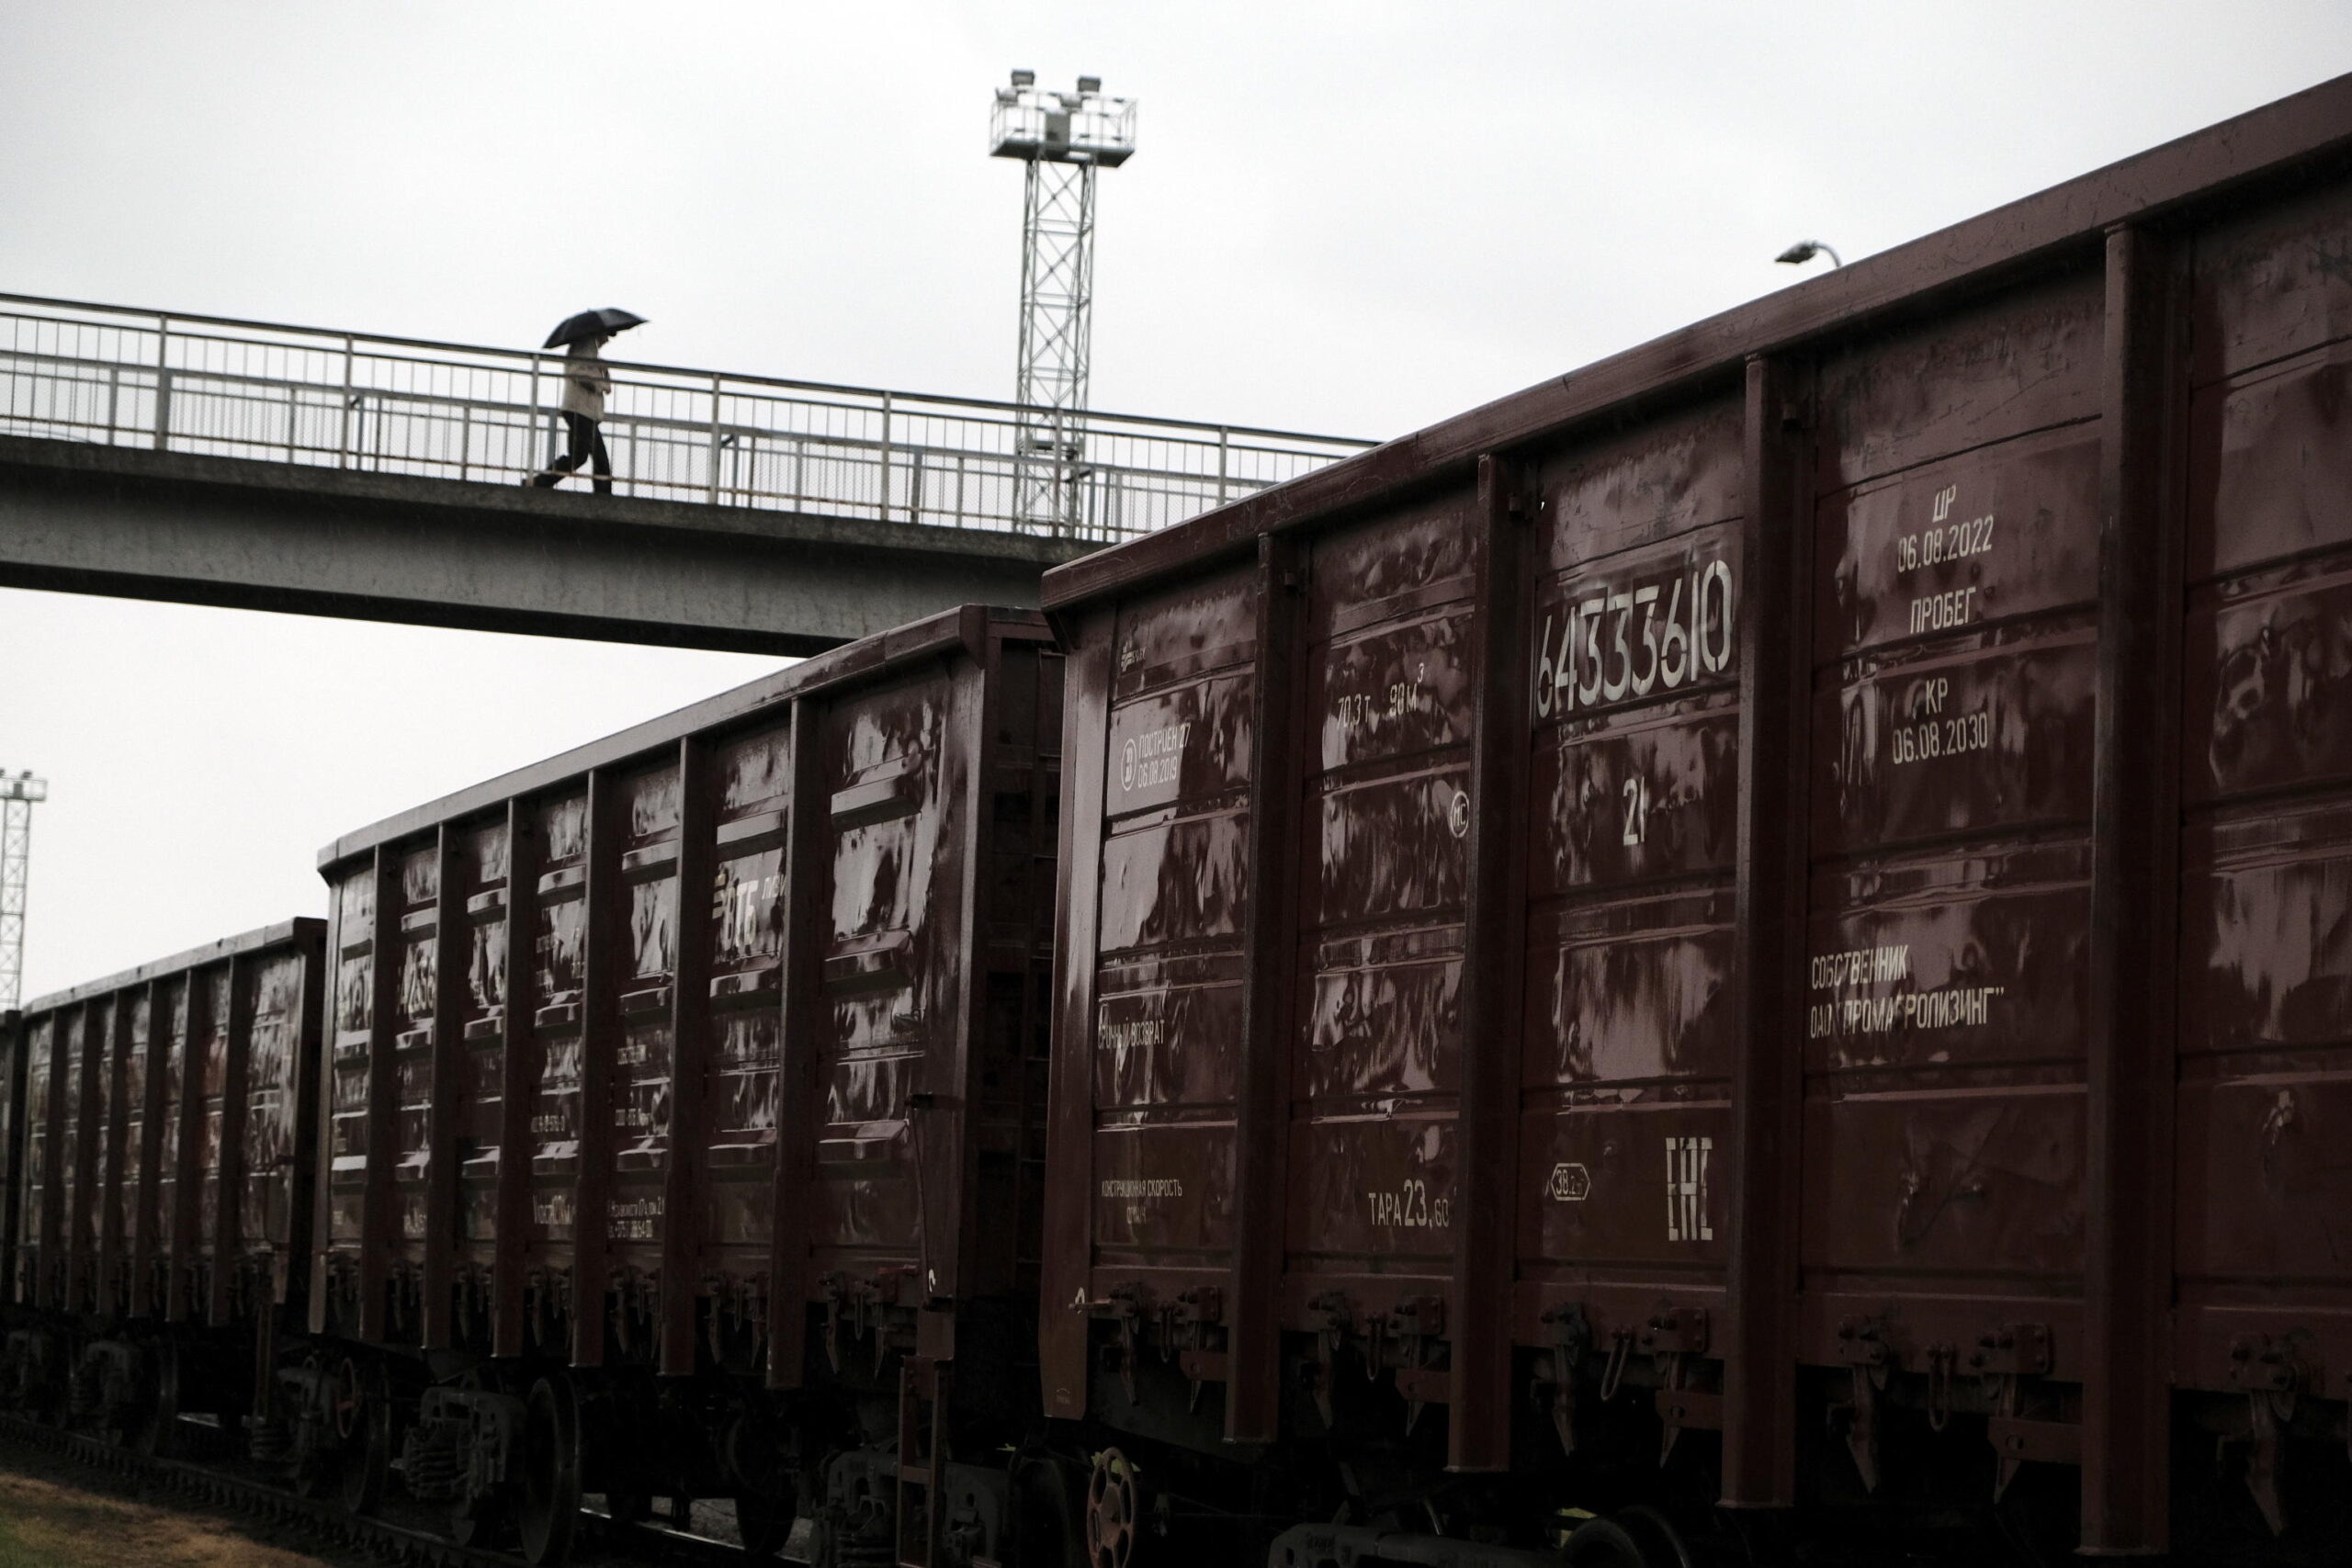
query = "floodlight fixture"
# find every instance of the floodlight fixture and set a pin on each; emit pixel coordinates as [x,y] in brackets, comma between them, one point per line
[1083,127]
[1804,251]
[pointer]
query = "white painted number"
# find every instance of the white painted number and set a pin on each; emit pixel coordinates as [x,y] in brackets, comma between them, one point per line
[1630,642]
[1411,1207]
[1638,810]
[1944,540]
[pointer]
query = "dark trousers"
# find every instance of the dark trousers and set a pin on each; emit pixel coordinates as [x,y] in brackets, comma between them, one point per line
[587,447]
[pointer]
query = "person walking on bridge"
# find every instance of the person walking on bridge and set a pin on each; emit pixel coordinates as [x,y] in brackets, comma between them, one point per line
[586,384]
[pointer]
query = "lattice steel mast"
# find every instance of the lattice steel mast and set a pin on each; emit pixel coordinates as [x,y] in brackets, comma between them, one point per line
[17,797]
[1062,138]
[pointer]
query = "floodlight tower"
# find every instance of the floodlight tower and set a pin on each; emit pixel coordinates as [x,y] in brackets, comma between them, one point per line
[1063,138]
[17,797]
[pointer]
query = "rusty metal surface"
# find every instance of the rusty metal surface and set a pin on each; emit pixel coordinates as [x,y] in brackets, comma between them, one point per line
[120,1198]
[2265,765]
[1381,858]
[29,1267]
[12,1049]
[1170,726]
[580,1084]
[1480,1389]
[1954,671]
[2125,1445]
[1633,825]
[1856,1028]
[1763,1159]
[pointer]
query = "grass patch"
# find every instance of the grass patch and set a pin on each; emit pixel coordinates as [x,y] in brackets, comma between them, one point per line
[46,1524]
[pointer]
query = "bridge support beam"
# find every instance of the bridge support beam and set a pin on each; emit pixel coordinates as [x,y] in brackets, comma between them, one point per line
[144,524]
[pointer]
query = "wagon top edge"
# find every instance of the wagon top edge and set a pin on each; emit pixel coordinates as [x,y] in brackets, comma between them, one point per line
[966,627]
[1974,255]
[301,930]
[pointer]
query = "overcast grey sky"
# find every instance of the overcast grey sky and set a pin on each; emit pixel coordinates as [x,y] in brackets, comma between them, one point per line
[1351,219]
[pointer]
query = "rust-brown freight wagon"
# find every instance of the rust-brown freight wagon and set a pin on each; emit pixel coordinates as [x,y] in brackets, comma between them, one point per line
[158,1234]
[12,1145]
[1765,921]
[704,1065]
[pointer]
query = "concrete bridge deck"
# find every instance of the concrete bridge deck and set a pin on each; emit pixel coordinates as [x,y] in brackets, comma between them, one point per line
[229,531]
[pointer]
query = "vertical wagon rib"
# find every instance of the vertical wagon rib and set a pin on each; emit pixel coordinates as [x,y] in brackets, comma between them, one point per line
[2136,834]
[1261,1119]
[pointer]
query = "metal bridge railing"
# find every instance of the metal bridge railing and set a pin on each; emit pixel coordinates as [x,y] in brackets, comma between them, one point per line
[224,388]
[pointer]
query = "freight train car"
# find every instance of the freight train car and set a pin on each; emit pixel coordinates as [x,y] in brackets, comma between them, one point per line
[158,1173]
[1750,941]
[682,1111]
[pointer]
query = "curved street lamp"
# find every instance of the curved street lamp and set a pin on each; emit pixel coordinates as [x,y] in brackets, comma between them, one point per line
[1804,251]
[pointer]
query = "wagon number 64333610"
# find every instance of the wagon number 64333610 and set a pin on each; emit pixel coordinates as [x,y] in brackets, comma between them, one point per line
[1688,637]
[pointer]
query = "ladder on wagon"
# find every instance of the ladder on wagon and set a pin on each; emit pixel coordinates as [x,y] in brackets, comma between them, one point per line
[924,1382]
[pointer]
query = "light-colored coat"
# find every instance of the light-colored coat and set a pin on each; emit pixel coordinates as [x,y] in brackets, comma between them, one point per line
[586,383]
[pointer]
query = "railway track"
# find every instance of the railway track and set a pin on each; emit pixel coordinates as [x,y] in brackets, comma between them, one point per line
[402,1532]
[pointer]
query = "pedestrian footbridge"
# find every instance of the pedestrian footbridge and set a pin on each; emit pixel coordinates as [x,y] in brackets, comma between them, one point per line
[206,460]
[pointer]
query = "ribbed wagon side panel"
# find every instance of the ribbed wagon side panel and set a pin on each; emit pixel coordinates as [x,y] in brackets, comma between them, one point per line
[272,1217]
[1374,1064]
[14,1046]
[559,989]
[12,1129]
[1163,1044]
[555,1103]
[1633,819]
[109,1039]
[896,847]
[645,1054]
[209,1061]
[1955,660]
[69,1229]
[2266,757]
[752,778]
[38,1182]
[120,1283]
[478,994]
[345,1133]
[149,1107]
[1937,847]
[174,1221]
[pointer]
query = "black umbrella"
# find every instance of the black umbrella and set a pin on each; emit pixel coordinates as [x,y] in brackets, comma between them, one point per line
[591,323]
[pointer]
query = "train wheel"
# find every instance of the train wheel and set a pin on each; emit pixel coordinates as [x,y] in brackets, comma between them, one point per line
[1639,1538]
[1047,1532]
[1656,1535]
[160,1432]
[1113,1511]
[363,1422]
[551,1507]
[765,1524]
